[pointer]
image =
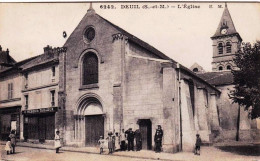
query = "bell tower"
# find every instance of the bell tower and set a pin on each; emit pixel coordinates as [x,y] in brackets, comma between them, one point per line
[226,43]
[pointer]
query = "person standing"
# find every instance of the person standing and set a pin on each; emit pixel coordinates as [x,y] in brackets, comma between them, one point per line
[158,139]
[130,139]
[122,140]
[13,140]
[101,142]
[138,139]
[197,145]
[110,142]
[8,147]
[57,142]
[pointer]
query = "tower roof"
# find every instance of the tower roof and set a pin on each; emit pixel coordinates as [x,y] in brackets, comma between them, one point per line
[225,23]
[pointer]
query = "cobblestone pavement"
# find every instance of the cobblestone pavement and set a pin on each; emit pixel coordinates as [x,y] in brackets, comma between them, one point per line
[207,154]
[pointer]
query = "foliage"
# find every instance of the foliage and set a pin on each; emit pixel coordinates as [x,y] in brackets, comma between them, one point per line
[247,79]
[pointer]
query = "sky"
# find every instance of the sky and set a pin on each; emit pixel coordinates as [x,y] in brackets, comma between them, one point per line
[180,33]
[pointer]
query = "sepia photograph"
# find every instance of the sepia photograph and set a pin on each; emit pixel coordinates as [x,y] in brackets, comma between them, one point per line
[130,81]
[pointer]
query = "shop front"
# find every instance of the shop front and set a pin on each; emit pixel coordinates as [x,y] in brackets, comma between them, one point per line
[39,124]
[9,120]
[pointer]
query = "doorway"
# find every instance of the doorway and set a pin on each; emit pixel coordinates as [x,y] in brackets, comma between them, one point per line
[145,126]
[94,129]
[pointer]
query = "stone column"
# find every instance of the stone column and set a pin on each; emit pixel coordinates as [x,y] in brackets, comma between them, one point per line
[169,109]
[187,121]
[214,123]
[202,115]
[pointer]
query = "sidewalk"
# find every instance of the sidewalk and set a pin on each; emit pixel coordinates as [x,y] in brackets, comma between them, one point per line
[207,153]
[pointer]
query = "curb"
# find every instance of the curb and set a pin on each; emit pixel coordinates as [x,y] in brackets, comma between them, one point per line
[88,152]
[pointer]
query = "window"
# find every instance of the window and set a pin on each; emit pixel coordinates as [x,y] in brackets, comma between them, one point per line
[26,101]
[89,34]
[220,68]
[220,48]
[10,90]
[228,67]
[90,69]
[26,80]
[206,97]
[195,70]
[228,47]
[52,98]
[53,71]
[192,95]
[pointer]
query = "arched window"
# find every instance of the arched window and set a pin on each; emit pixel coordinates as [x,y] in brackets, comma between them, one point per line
[220,48]
[220,68]
[195,70]
[90,69]
[228,47]
[228,67]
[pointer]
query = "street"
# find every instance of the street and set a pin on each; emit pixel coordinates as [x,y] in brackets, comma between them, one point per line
[224,153]
[26,154]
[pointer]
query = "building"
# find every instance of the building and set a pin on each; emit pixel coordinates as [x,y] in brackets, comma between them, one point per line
[40,96]
[10,95]
[116,81]
[226,43]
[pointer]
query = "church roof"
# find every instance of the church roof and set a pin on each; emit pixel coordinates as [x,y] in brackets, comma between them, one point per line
[139,41]
[217,78]
[226,22]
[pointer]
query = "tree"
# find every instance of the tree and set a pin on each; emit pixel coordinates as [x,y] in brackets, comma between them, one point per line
[247,79]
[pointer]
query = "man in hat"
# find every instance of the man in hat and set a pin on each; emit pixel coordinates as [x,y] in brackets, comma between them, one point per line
[130,139]
[158,139]
[138,139]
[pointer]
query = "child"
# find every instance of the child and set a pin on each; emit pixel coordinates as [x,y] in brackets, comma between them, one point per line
[117,142]
[8,147]
[57,142]
[197,145]
[110,142]
[101,142]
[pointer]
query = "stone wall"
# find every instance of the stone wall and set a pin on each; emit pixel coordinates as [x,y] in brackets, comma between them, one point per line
[228,115]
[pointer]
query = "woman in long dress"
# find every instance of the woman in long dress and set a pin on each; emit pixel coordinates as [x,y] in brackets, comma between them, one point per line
[13,140]
[57,142]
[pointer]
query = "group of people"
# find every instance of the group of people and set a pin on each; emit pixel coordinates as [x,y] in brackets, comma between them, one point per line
[10,144]
[115,141]
[129,140]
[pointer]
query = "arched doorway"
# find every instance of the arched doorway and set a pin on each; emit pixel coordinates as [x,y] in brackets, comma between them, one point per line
[94,124]
[90,120]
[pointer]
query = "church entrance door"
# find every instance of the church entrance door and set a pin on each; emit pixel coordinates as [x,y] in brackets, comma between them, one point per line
[94,129]
[145,127]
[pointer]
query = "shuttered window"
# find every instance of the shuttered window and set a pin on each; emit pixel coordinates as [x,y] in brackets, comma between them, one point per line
[10,90]
[220,48]
[228,47]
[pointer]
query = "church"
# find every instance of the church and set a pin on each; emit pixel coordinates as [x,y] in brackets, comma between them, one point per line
[226,43]
[105,79]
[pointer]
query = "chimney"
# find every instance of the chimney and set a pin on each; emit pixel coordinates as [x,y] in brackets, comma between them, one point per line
[47,49]
[7,51]
[0,48]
